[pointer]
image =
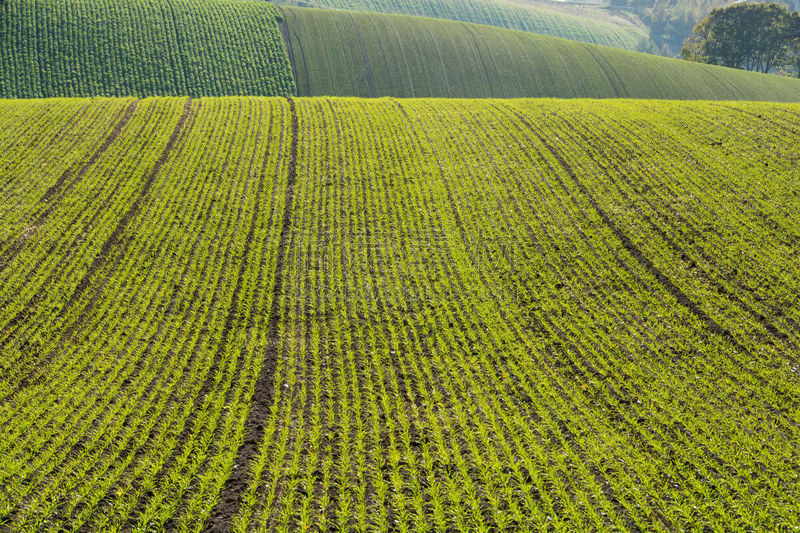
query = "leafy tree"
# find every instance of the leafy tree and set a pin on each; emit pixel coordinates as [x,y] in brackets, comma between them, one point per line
[793,62]
[760,37]
[694,47]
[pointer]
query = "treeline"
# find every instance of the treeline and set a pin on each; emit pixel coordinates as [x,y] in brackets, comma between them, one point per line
[760,37]
[672,21]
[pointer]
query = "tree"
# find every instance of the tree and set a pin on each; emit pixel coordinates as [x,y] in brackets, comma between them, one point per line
[793,61]
[694,48]
[760,37]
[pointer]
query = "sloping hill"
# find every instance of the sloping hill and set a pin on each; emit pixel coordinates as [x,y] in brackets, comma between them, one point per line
[249,314]
[512,14]
[361,54]
[141,47]
[53,48]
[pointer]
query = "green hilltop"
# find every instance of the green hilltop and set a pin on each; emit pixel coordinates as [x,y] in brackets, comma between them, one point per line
[363,54]
[596,27]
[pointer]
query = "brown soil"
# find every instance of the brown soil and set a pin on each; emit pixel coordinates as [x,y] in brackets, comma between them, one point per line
[229,499]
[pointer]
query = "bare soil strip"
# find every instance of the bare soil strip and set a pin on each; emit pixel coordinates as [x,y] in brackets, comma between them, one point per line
[133,446]
[193,426]
[229,498]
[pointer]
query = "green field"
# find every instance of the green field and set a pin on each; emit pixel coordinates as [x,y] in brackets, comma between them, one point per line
[337,53]
[141,48]
[58,48]
[349,314]
[516,15]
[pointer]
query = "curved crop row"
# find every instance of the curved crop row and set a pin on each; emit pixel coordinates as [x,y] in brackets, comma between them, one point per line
[506,14]
[470,345]
[265,314]
[92,435]
[338,53]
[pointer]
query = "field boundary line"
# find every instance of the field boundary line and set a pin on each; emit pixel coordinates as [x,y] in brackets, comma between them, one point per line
[283,27]
[228,504]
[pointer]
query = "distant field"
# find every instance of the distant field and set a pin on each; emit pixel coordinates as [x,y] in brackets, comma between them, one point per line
[57,48]
[358,54]
[141,48]
[351,314]
[505,14]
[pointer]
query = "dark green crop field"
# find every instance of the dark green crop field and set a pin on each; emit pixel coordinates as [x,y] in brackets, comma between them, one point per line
[268,314]
[360,54]
[141,48]
[511,14]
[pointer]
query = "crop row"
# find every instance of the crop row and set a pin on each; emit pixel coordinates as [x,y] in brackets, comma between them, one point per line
[128,373]
[62,132]
[470,345]
[400,314]
[739,269]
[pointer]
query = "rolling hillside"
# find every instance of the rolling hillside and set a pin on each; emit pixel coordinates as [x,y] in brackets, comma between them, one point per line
[374,314]
[141,48]
[235,47]
[359,54]
[513,14]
